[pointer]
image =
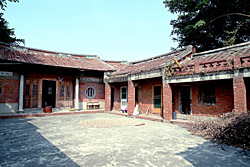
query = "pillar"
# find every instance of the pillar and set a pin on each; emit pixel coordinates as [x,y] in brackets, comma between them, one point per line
[107,97]
[240,96]
[167,101]
[77,94]
[131,97]
[21,86]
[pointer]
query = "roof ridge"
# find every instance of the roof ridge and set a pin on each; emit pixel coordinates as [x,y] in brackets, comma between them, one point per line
[222,49]
[160,56]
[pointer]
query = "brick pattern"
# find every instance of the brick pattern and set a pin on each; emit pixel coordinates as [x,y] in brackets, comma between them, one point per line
[107,97]
[146,93]
[131,97]
[223,93]
[240,97]
[10,90]
[167,101]
[222,60]
[100,91]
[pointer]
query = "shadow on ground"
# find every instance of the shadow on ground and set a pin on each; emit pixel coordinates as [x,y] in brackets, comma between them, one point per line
[211,154]
[22,145]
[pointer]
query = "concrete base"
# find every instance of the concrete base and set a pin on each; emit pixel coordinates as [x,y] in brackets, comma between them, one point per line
[8,108]
[83,105]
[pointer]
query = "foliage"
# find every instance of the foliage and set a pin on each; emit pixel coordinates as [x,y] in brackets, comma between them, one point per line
[3,3]
[210,24]
[7,34]
[230,128]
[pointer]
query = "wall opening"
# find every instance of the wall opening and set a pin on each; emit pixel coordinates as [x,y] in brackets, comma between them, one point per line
[49,93]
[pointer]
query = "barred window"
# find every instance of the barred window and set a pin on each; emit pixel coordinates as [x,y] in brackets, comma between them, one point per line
[207,95]
[61,91]
[90,92]
[34,90]
[27,90]
[1,90]
[68,91]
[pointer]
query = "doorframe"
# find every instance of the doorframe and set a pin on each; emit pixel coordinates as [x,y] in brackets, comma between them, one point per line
[51,80]
[153,99]
[180,100]
[126,95]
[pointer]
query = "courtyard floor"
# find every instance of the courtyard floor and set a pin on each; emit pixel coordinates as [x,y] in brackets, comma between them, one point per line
[104,139]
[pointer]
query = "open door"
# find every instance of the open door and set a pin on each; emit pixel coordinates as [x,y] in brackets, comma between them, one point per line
[124,97]
[49,93]
[157,99]
[185,99]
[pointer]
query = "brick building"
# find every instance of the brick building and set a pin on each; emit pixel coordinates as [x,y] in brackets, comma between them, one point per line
[182,81]
[32,78]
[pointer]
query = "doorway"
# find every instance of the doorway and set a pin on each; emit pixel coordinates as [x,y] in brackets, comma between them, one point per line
[185,100]
[49,93]
[124,97]
[157,99]
[112,98]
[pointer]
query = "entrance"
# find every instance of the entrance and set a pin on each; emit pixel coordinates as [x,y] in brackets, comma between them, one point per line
[112,98]
[157,99]
[49,93]
[185,100]
[124,99]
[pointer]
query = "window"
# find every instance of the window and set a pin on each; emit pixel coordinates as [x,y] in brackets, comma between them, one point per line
[61,91]
[1,90]
[207,95]
[90,92]
[67,91]
[136,94]
[27,90]
[124,93]
[34,90]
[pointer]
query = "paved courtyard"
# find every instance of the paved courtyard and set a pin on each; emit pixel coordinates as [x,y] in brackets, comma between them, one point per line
[107,140]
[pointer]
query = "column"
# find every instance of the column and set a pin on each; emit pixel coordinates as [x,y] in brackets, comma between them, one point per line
[240,96]
[131,97]
[167,101]
[21,86]
[107,97]
[77,94]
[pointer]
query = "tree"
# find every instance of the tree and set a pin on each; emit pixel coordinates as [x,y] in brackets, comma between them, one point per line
[210,24]
[7,34]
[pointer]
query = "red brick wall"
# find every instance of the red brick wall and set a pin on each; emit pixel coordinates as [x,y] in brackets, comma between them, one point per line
[131,97]
[10,90]
[107,97]
[145,93]
[100,91]
[224,99]
[240,95]
[167,101]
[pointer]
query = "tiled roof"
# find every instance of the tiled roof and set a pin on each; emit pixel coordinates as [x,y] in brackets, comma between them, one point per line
[35,56]
[153,63]
[117,64]
[223,59]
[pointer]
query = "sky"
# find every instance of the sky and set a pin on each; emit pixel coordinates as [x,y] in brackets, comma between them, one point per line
[112,29]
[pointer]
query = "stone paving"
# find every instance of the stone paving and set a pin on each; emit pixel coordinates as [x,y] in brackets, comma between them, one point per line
[63,141]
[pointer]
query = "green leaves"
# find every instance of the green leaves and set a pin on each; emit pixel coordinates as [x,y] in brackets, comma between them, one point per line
[206,23]
[200,23]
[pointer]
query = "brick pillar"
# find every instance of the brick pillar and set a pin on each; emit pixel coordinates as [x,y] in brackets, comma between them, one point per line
[131,97]
[167,101]
[240,97]
[107,97]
